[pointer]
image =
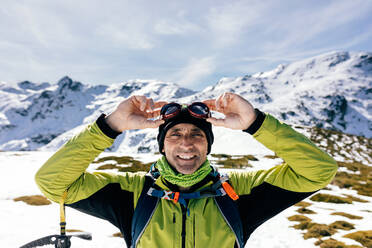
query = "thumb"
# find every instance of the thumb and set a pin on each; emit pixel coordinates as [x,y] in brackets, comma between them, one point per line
[216,122]
[153,123]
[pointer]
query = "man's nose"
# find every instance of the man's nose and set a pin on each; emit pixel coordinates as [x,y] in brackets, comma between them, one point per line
[187,141]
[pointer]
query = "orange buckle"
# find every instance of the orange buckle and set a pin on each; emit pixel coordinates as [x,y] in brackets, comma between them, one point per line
[176,196]
[230,191]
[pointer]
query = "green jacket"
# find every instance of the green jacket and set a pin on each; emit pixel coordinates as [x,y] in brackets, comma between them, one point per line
[113,196]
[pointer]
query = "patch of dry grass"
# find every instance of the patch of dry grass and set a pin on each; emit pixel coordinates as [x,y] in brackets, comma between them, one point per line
[303,225]
[73,230]
[343,225]
[363,237]
[304,221]
[361,182]
[313,230]
[330,198]
[354,198]
[34,200]
[233,161]
[350,216]
[271,156]
[108,167]
[303,204]
[305,211]
[118,234]
[316,230]
[132,165]
[299,217]
[348,199]
[332,243]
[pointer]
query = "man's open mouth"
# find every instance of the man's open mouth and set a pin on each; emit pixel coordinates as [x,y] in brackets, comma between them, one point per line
[186,157]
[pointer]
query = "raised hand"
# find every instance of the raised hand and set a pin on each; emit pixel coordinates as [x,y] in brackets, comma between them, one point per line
[134,113]
[239,113]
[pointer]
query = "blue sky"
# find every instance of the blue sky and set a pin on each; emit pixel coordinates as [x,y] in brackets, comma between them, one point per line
[192,43]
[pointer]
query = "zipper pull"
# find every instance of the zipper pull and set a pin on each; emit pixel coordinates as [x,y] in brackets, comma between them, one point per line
[230,191]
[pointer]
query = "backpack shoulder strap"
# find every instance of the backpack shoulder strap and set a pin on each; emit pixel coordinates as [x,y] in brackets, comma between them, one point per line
[145,208]
[230,212]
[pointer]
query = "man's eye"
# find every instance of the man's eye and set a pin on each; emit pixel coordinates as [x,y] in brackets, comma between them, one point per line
[175,134]
[197,134]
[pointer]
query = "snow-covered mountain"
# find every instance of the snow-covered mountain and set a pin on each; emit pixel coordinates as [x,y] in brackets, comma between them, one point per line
[32,115]
[331,91]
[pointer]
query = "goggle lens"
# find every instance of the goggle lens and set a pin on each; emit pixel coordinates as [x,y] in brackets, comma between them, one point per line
[199,109]
[196,109]
[170,110]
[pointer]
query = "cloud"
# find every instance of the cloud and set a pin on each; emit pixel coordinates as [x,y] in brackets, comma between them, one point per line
[177,24]
[172,27]
[128,38]
[313,26]
[229,22]
[195,71]
[182,41]
[35,26]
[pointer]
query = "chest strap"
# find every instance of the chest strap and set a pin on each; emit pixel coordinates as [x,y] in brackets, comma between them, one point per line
[219,188]
[180,197]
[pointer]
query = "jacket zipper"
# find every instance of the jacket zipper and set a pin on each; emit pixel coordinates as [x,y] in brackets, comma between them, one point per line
[236,236]
[148,221]
[183,233]
[174,233]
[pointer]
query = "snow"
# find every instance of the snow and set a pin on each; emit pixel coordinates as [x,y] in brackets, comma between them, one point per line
[23,223]
[42,117]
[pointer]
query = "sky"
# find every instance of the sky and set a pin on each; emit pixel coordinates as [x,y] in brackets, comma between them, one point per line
[191,43]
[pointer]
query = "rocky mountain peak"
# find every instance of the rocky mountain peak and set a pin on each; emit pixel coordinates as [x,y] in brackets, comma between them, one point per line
[66,83]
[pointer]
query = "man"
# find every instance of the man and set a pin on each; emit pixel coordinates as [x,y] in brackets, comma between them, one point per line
[185,138]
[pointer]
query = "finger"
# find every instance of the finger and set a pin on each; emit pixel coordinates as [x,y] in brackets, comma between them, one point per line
[153,123]
[211,103]
[149,104]
[216,122]
[152,104]
[159,104]
[153,114]
[155,109]
[219,100]
[141,100]
[225,99]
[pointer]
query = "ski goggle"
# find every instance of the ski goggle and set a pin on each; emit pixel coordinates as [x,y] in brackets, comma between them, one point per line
[196,109]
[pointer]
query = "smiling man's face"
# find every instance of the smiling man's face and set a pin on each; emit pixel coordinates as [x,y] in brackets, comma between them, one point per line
[185,147]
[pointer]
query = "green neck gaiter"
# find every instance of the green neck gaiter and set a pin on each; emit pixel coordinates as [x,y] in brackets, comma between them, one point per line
[182,180]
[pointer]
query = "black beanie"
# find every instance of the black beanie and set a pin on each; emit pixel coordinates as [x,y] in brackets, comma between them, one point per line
[185,117]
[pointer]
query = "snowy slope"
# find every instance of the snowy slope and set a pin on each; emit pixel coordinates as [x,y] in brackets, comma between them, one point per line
[332,91]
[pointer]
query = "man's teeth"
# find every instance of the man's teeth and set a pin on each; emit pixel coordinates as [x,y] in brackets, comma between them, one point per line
[186,157]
